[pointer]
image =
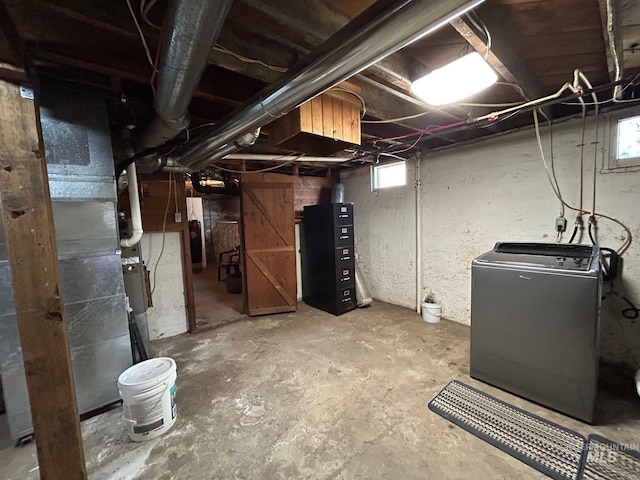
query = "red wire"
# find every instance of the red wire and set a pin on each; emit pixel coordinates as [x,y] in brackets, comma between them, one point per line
[426,131]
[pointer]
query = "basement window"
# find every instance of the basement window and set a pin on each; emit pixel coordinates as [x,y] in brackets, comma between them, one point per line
[625,151]
[388,175]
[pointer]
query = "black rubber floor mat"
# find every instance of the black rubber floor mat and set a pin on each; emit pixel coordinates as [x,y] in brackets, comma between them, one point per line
[607,460]
[549,448]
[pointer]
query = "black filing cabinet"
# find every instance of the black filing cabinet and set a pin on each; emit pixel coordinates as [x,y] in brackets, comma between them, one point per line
[328,264]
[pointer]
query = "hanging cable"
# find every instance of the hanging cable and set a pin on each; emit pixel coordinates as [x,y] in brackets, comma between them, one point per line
[144,12]
[550,173]
[595,143]
[359,97]
[573,235]
[244,59]
[398,119]
[164,233]
[144,41]
[627,241]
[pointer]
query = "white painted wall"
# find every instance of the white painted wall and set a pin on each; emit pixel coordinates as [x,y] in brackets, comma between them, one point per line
[168,316]
[384,230]
[494,190]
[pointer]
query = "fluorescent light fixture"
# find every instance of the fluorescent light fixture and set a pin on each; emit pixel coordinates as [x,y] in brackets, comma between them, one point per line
[455,81]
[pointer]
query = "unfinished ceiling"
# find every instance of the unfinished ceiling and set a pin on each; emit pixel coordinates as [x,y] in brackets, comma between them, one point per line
[535,46]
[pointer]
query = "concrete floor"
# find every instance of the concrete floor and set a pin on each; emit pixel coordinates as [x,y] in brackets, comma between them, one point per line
[215,307]
[310,395]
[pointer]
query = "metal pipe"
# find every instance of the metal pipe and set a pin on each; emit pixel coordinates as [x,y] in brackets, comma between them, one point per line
[418,235]
[192,29]
[284,158]
[202,157]
[382,29]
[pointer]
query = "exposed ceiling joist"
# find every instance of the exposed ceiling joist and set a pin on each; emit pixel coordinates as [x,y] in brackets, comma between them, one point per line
[612,36]
[501,55]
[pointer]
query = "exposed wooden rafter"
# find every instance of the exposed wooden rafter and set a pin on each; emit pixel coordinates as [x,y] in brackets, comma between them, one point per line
[612,36]
[501,56]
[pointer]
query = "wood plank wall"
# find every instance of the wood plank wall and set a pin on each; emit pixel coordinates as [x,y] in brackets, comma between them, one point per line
[311,191]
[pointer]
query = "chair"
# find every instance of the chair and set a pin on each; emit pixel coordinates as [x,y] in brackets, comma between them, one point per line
[228,260]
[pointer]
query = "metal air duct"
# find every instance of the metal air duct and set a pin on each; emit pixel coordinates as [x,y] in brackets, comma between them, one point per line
[192,29]
[382,29]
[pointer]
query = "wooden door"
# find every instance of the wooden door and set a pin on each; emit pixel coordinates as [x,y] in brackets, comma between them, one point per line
[268,240]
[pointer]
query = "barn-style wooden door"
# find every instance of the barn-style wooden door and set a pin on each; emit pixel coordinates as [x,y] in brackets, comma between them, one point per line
[268,240]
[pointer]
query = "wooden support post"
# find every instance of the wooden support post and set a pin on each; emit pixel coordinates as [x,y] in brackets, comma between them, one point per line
[27,217]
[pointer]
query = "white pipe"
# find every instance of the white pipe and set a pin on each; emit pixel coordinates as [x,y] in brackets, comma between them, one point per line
[418,236]
[134,204]
[284,158]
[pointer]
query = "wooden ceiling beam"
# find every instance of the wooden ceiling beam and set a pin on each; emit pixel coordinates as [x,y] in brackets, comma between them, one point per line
[502,57]
[138,76]
[612,36]
[309,24]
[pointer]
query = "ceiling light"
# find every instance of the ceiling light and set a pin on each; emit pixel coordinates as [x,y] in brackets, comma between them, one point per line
[455,81]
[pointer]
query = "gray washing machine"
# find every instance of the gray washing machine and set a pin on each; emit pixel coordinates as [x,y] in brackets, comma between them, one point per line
[535,323]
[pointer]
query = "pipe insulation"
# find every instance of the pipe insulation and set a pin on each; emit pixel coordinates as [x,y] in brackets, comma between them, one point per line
[191,32]
[382,29]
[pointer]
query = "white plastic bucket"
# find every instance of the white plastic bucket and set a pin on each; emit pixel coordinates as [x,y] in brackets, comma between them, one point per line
[431,312]
[638,381]
[148,391]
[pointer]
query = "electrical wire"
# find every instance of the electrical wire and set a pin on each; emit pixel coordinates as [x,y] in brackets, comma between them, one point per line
[595,143]
[209,124]
[244,59]
[486,31]
[175,194]
[625,245]
[553,181]
[144,12]
[359,97]
[410,146]
[499,119]
[164,233]
[508,104]
[156,61]
[268,169]
[398,119]
[573,235]
[144,40]
[584,124]
[275,167]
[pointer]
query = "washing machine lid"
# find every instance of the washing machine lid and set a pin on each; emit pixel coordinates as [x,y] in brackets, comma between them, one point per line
[577,258]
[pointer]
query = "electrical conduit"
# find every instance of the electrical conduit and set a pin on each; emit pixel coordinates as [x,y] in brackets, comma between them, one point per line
[418,235]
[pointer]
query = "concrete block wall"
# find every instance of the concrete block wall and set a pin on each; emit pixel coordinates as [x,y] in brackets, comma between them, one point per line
[494,190]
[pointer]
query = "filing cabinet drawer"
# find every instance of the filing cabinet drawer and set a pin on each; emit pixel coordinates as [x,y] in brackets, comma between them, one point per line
[346,299]
[344,236]
[344,258]
[343,213]
[345,278]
